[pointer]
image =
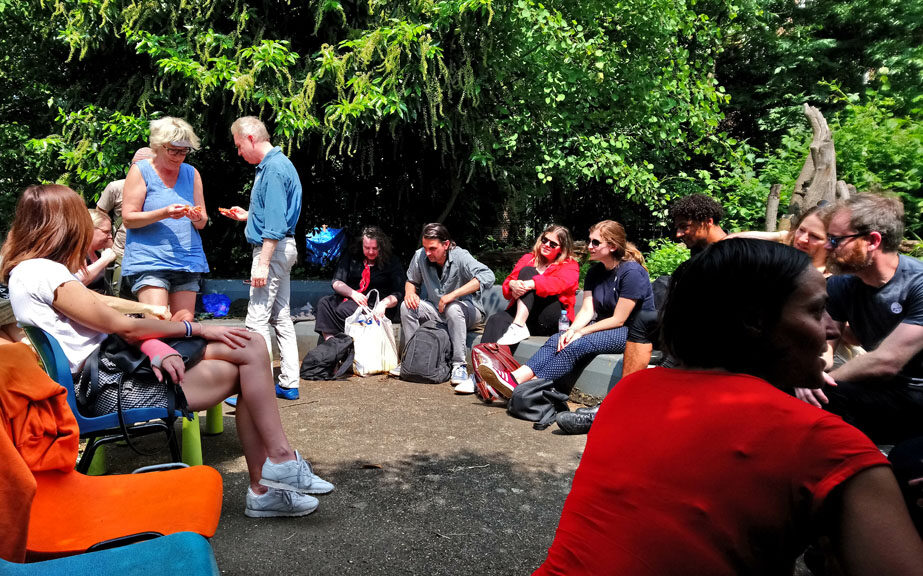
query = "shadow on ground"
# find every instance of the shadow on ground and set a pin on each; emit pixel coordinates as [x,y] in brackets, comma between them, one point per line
[427,482]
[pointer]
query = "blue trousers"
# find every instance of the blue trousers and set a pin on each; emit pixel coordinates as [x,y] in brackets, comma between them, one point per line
[549,364]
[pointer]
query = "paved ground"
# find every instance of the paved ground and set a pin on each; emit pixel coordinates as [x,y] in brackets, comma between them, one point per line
[427,482]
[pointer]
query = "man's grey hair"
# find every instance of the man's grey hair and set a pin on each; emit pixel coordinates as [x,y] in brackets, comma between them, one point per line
[250,126]
[882,213]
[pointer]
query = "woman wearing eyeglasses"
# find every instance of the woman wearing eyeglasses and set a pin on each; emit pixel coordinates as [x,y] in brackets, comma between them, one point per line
[163,209]
[541,285]
[616,288]
[99,255]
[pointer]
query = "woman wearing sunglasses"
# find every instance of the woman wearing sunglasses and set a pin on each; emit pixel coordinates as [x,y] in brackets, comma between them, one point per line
[163,209]
[542,285]
[616,288]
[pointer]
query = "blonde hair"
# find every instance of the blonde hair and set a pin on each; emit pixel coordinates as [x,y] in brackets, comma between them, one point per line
[169,129]
[250,126]
[613,234]
[562,236]
[99,217]
[51,222]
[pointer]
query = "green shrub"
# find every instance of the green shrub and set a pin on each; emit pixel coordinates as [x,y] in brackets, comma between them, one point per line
[664,257]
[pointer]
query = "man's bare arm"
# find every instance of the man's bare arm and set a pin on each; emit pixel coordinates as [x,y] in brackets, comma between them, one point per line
[887,360]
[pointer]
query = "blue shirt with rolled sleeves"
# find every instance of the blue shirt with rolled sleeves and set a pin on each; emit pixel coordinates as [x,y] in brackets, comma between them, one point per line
[275,202]
[459,268]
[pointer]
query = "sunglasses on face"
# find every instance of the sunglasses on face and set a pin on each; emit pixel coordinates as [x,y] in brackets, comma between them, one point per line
[595,243]
[551,243]
[834,241]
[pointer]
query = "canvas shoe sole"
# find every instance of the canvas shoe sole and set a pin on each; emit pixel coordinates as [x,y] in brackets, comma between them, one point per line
[496,380]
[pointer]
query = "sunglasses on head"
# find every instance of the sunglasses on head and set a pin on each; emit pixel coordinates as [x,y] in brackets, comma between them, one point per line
[551,243]
[835,240]
[594,242]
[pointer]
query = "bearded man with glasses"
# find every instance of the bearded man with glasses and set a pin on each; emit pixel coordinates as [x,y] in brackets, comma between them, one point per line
[877,297]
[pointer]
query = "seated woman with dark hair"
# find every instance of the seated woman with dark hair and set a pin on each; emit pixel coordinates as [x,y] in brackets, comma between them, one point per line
[715,468]
[46,245]
[369,266]
[542,284]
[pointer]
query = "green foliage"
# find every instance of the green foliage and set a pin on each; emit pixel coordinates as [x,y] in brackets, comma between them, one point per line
[473,112]
[878,151]
[665,256]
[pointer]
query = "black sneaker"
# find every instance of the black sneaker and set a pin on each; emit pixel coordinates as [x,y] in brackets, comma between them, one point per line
[587,409]
[575,422]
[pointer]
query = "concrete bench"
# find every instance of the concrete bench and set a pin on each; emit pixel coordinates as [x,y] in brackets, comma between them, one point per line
[595,380]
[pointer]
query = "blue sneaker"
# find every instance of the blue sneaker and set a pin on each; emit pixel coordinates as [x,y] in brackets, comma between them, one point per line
[231,401]
[286,393]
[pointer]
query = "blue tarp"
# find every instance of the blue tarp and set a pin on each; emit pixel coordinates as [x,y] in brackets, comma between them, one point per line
[325,245]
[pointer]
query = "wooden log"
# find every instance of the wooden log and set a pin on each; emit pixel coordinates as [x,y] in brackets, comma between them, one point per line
[772,207]
[817,180]
[844,190]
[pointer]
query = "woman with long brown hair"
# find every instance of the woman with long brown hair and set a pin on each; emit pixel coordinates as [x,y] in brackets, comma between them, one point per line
[46,245]
[543,284]
[616,288]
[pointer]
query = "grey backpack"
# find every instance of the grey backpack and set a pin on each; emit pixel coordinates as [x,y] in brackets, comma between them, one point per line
[428,354]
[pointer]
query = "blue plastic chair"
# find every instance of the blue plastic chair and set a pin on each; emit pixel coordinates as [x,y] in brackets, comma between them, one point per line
[101,430]
[179,553]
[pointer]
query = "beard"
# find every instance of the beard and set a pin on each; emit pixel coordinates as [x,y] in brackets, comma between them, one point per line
[853,261]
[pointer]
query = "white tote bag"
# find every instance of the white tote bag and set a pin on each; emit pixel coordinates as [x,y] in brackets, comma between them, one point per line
[373,340]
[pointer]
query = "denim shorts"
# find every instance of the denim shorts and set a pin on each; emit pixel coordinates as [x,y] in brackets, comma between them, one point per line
[170,280]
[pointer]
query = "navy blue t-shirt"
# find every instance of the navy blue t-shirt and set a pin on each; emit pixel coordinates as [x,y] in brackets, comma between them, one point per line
[873,313]
[627,280]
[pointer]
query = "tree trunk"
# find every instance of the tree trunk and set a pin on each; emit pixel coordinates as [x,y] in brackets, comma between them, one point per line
[817,180]
[844,190]
[772,207]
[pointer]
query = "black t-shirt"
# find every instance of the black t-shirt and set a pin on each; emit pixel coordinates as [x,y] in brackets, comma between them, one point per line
[388,280]
[627,280]
[873,313]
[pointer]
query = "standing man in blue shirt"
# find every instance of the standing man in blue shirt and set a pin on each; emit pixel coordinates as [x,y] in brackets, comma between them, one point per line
[275,205]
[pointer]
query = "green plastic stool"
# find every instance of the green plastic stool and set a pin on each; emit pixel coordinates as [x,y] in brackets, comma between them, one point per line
[214,420]
[192,433]
[98,464]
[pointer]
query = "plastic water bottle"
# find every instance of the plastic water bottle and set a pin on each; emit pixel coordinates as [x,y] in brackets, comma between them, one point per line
[563,322]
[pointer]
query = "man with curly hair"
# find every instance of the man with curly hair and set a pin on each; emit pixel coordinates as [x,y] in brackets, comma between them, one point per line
[696,219]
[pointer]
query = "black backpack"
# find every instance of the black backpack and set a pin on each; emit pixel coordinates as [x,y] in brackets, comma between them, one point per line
[332,359]
[427,356]
[537,401]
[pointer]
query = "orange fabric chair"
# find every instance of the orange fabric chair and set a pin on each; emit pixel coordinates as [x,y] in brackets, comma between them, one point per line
[72,512]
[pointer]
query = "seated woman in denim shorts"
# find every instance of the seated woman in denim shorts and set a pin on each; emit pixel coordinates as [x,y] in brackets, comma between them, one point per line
[163,209]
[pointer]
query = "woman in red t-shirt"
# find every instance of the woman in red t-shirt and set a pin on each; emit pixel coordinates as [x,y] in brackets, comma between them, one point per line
[715,468]
[542,285]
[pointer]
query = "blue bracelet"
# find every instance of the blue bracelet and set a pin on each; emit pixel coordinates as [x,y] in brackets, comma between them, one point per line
[188,328]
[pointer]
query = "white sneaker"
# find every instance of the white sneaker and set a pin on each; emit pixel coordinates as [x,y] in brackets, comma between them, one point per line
[396,371]
[275,503]
[514,335]
[295,475]
[459,374]
[466,387]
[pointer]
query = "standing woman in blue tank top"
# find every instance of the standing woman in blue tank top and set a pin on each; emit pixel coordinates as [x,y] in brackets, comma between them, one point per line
[163,209]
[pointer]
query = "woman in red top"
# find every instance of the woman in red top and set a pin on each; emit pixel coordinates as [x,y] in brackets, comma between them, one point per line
[541,285]
[716,468]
